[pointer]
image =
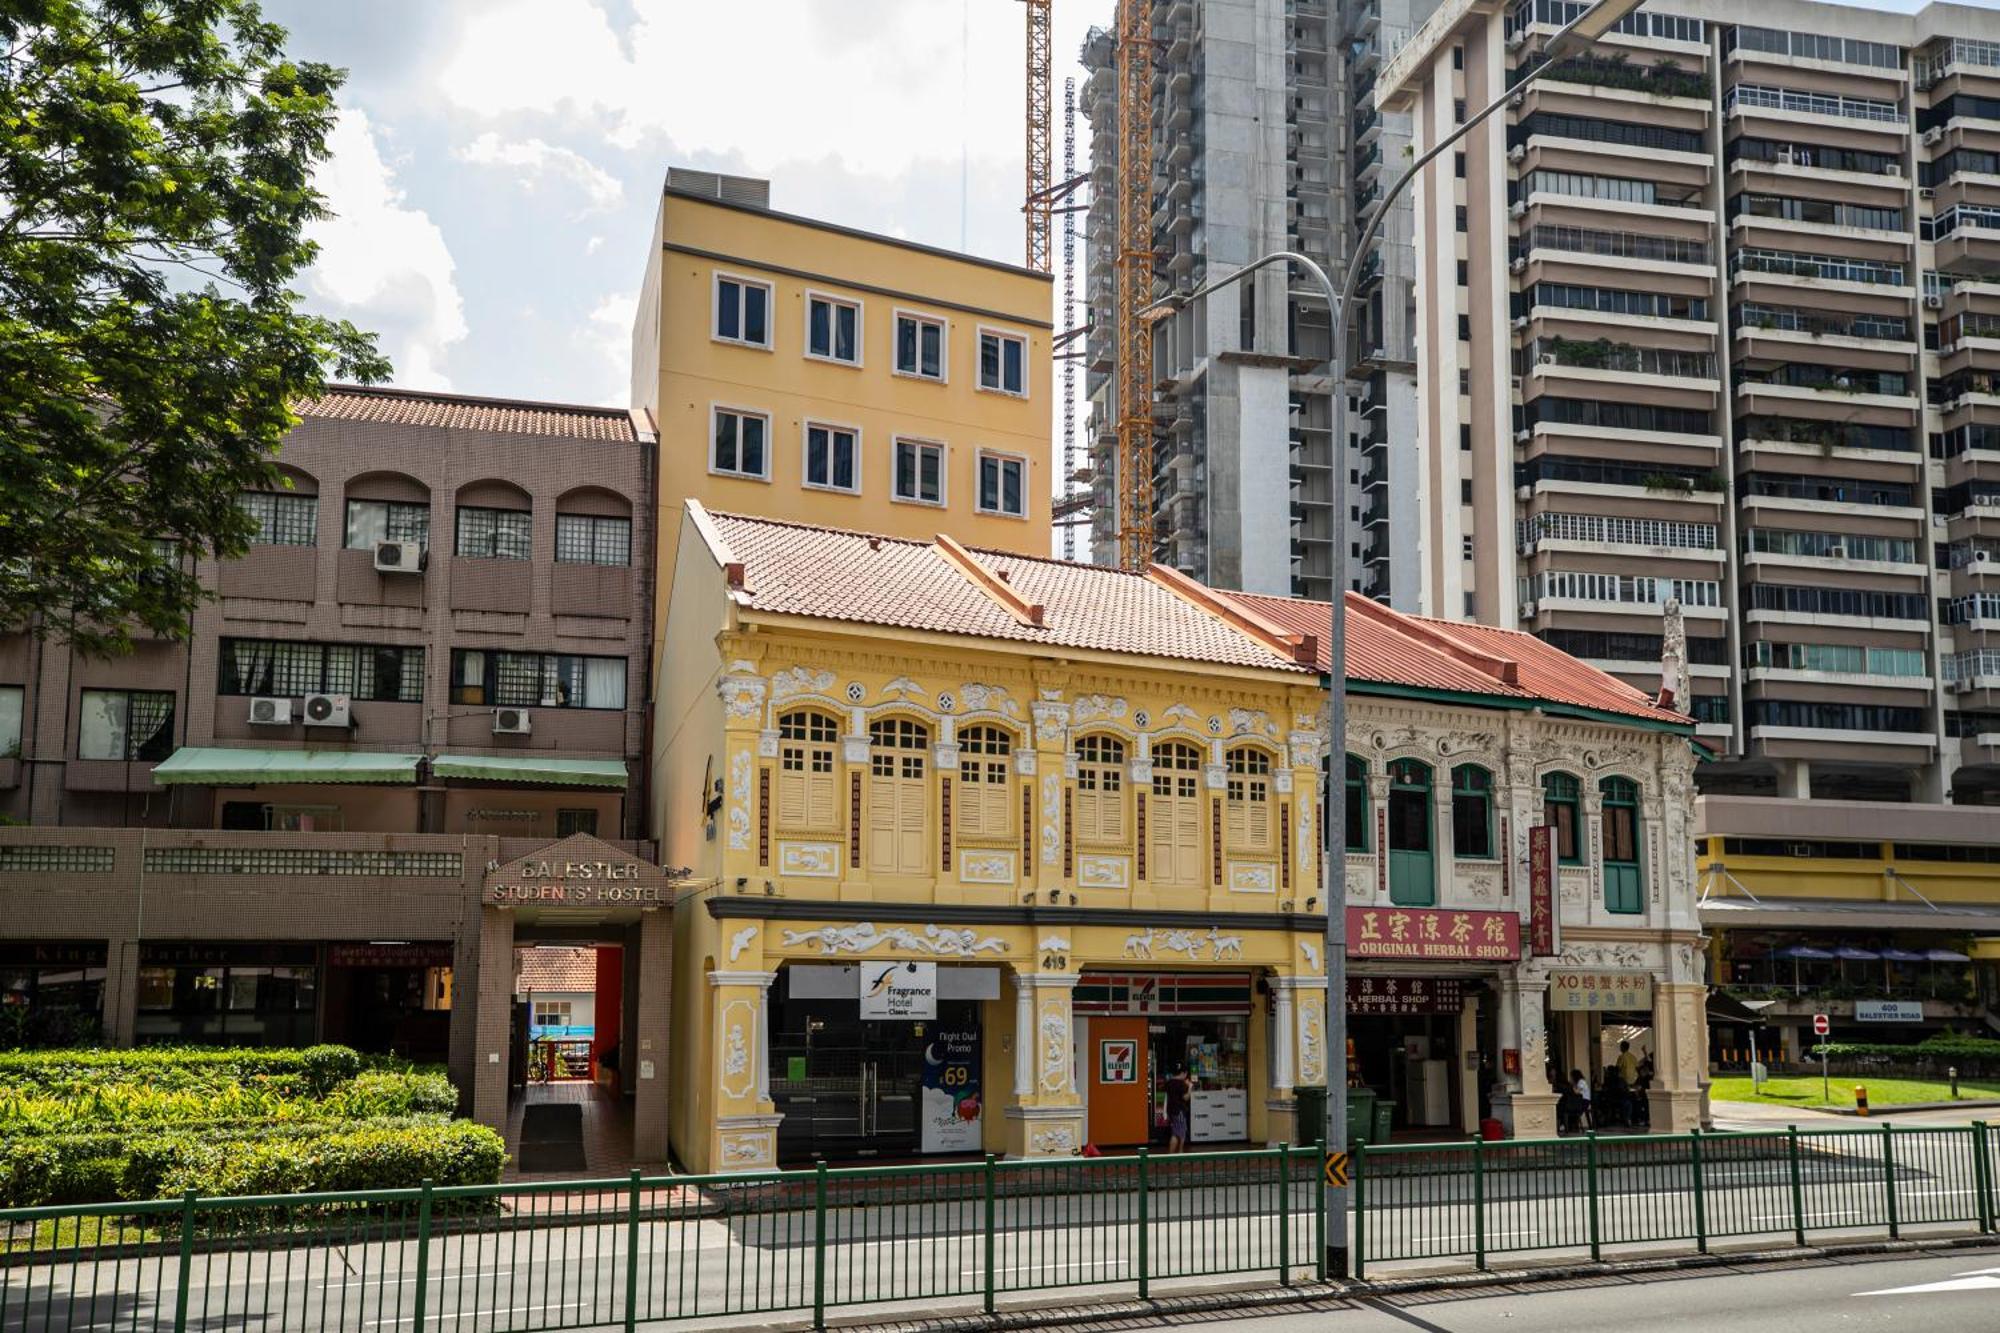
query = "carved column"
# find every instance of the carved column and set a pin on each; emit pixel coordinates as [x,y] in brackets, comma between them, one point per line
[1055,862]
[1047,1121]
[1528,1109]
[1680,1050]
[744,1129]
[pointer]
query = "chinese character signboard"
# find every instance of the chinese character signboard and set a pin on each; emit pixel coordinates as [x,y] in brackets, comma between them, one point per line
[1432,933]
[1405,995]
[1622,991]
[1542,891]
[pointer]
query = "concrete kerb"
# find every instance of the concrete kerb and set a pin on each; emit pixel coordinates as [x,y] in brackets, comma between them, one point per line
[1252,1299]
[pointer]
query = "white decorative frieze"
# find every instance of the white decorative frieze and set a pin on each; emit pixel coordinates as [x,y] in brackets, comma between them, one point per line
[797,680]
[742,940]
[1253,877]
[742,696]
[1059,1141]
[986,867]
[1104,872]
[819,860]
[1051,818]
[979,698]
[1097,708]
[1055,1062]
[865,937]
[740,766]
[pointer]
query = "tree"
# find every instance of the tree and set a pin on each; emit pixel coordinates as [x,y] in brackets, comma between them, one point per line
[156,162]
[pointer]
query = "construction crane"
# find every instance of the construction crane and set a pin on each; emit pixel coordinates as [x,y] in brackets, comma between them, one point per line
[1133,274]
[1039,202]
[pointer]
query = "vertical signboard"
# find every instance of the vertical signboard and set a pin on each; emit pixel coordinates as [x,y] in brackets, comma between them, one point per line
[1542,891]
[951,1100]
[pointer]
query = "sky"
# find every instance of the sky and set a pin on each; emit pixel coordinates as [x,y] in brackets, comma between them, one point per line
[497,163]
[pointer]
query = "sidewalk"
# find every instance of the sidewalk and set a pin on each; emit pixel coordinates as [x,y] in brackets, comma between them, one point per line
[1763,1115]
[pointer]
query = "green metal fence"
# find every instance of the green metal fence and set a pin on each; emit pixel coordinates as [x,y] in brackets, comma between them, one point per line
[620,1253]
[1589,1194]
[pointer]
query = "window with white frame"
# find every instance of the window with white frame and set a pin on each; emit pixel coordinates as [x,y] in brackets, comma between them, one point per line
[919,346]
[1002,487]
[833,457]
[125,724]
[739,444]
[833,330]
[919,472]
[742,311]
[1003,362]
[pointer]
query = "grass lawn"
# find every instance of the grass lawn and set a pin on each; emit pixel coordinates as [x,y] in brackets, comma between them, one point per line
[1883,1093]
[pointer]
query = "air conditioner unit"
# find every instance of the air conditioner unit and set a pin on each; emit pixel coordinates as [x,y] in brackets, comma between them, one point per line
[399,557]
[1893,169]
[1934,135]
[1785,156]
[1982,557]
[1546,359]
[1524,493]
[1517,39]
[1520,321]
[1523,436]
[1520,263]
[512,722]
[328,710]
[1836,553]
[1926,192]
[1932,301]
[1527,610]
[270,712]
[1518,209]
[1517,153]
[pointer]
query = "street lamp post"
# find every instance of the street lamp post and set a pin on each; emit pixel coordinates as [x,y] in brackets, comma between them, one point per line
[1578,35]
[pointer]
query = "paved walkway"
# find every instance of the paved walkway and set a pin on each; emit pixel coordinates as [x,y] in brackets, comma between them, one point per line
[1764,1115]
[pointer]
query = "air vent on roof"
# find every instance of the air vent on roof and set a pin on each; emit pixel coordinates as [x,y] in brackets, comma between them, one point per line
[745,190]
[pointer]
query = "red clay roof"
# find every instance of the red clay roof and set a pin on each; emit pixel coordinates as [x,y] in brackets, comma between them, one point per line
[411,407]
[1397,649]
[800,570]
[552,969]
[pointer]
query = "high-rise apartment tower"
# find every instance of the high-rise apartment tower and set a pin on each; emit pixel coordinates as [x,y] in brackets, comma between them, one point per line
[1713,313]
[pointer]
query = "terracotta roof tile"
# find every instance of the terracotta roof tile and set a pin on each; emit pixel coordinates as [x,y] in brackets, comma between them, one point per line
[549,969]
[797,569]
[409,407]
[1397,649]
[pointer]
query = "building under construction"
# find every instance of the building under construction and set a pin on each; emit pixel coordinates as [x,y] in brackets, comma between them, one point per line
[1262,136]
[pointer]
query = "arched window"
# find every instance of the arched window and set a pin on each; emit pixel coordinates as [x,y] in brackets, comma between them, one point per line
[1100,790]
[1248,819]
[985,792]
[1357,804]
[1624,878]
[899,797]
[1173,817]
[808,793]
[1412,882]
[1471,812]
[1562,810]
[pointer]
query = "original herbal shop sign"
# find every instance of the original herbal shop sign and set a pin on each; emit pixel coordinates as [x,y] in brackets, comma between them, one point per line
[562,883]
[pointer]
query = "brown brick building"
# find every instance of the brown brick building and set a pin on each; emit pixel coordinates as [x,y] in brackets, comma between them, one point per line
[428,671]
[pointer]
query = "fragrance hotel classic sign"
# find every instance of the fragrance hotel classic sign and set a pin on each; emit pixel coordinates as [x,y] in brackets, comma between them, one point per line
[1432,933]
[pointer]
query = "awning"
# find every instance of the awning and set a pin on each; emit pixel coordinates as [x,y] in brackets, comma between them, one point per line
[1875,917]
[1902,956]
[212,766]
[1805,951]
[1852,954]
[531,768]
[1945,956]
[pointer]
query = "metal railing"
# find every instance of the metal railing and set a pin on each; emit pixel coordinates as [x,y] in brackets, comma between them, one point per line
[1588,1194]
[524,1258]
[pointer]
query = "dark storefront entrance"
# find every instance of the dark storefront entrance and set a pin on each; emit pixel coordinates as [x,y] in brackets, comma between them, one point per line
[852,1088]
[1405,1047]
[228,994]
[1199,1022]
[392,998]
[51,993]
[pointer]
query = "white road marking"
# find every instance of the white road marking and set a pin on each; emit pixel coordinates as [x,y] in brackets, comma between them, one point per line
[1983,1279]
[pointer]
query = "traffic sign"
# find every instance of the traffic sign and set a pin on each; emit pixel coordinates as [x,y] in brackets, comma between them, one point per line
[1820,1025]
[1335,1170]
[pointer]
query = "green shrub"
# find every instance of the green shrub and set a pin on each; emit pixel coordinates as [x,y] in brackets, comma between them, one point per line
[309,1071]
[366,1096]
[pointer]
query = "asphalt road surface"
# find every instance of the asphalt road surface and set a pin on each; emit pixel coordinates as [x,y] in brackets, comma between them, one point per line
[1954,1293]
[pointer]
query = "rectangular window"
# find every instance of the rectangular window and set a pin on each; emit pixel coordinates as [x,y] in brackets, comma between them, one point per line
[1465,381]
[126,724]
[536,680]
[11,697]
[373,521]
[742,311]
[1459,218]
[593,539]
[290,670]
[1465,438]
[282,520]
[833,456]
[1464,274]
[919,472]
[833,330]
[493,534]
[738,448]
[1003,363]
[920,346]
[570,822]
[1458,165]
[1465,490]
[1000,485]
[1465,328]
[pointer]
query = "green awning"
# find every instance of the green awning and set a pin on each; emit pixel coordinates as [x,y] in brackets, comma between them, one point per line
[212,766]
[531,768]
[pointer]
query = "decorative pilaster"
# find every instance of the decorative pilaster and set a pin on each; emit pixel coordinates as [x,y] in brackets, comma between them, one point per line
[1680,1049]
[1528,1107]
[744,1136]
[1046,1120]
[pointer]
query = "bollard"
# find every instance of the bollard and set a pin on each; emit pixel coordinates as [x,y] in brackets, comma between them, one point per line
[1953,1071]
[1861,1099]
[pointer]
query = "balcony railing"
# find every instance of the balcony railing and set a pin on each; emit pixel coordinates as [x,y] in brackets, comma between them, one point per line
[1816,266]
[1761,98]
[1603,354]
[1881,328]
[1612,244]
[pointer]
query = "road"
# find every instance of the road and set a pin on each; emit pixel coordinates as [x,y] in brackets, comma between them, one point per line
[1956,1293]
[923,1240]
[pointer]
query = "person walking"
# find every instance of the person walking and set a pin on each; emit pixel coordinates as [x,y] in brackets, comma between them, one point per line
[1179,1088]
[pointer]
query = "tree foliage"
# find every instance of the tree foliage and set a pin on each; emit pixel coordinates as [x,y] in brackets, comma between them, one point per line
[156,161]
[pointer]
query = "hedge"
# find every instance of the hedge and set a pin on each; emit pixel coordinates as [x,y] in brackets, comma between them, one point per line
[1973,1057]
[246,1159]
[97,1106]
[311,1071]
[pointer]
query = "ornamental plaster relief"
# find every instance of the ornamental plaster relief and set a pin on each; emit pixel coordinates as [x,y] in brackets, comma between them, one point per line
[983,867]
[1051,818]
[983,698]
[1055,1061]
[865,937]
[796,680]
[819,860]
[740,766]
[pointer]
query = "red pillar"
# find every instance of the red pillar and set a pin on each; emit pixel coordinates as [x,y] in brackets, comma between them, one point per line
[610,1007]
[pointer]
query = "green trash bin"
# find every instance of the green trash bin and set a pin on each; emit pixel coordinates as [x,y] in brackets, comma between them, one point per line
[1385,1113]
[1360,1115]
[1311,1122]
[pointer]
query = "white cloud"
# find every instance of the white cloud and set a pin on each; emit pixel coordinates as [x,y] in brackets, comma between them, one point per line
[608,338]
[876,83]
[537,163]
[383,264]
